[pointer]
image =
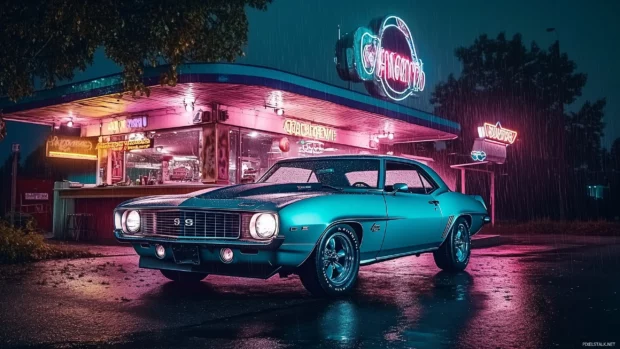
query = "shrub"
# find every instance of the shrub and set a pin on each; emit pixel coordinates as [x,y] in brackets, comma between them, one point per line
[24,245]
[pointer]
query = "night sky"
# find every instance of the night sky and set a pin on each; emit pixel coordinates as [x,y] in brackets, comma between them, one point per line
[299,37]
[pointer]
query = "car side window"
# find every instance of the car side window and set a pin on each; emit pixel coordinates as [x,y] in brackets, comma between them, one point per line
[293,175]
[396,172]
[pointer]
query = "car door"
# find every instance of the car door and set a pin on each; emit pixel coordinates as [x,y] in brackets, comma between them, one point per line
[414,216]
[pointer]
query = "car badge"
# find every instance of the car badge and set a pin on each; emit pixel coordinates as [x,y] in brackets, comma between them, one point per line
[303,187]
[245,204]
[375,227]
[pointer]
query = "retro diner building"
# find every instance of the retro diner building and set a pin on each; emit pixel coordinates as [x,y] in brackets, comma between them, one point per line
[222,124]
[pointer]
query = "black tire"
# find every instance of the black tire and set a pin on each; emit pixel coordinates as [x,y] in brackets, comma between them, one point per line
[453,255]
[332,268]
[184,277]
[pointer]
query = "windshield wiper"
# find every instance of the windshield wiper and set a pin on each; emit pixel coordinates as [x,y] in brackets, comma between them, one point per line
[331,187]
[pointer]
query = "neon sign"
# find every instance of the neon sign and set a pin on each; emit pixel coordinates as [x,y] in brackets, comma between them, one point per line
[311,147]
[383,56]
[497,133]
[127,145]
[304,129]
[127,124]
[478,155]
[71,147]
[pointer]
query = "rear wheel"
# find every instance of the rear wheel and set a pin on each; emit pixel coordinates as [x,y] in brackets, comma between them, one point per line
[332,268]
[183,276]
[454,253]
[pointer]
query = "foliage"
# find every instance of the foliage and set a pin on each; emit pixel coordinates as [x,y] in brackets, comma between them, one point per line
[546,227]
[19,246]
[526,89]
[49,40]
[508,69]
[584,132]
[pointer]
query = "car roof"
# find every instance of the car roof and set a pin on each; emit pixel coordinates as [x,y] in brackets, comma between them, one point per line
[351,156]
[440,182]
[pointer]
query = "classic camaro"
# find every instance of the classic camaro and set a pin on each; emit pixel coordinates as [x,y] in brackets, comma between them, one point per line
[319,217]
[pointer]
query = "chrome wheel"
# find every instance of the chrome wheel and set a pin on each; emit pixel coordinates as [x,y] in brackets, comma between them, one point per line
[461,243]
[337,259]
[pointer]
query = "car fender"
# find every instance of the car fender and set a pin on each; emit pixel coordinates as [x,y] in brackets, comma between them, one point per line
[306,221]
[455,205]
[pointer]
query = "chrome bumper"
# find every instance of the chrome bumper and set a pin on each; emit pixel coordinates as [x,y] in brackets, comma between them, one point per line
[271,245]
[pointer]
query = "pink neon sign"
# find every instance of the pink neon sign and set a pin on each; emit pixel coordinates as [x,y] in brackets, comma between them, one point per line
[383,56]
[497,133]
[401,69]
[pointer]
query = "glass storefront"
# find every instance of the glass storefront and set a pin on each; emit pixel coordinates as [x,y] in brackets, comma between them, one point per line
[254,152]
[175,156]
[172,157]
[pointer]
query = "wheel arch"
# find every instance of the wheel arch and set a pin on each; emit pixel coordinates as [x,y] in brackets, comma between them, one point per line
[466,216]
[357,229]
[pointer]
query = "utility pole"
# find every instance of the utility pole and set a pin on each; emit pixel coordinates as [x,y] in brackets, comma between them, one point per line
[14,182]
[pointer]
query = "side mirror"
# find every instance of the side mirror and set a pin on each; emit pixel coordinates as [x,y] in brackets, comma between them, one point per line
[400,187]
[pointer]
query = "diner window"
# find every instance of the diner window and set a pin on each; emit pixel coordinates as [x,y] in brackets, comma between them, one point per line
[258,151]
[174,158]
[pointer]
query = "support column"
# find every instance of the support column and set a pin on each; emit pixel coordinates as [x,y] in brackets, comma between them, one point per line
[492,199]
[463,180]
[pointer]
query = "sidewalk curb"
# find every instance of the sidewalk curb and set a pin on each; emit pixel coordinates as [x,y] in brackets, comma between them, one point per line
[483,241]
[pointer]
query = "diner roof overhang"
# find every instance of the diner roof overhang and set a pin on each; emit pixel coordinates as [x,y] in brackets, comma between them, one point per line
[233,85]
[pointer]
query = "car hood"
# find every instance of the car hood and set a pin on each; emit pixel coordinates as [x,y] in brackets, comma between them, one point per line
[244,197]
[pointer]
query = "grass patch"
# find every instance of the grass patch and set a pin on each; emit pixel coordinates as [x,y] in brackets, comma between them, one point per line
[549,227]
[25,245]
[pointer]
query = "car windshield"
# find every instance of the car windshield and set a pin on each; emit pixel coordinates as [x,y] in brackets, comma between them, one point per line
[340,173]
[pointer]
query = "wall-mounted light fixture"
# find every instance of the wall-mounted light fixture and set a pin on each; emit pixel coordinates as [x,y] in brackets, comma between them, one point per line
[377,136]
[279,111]
[70,123]
[189,106]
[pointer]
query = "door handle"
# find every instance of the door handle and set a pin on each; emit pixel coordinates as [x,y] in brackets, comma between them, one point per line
[434,202]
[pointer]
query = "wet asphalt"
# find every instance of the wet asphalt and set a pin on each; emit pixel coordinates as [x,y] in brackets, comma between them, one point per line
[543,292]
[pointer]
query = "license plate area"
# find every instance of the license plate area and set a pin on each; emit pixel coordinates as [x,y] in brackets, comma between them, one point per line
[184,254]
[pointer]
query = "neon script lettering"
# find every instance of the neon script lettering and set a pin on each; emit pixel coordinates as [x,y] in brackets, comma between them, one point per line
[497,133]
[395,67]
[304,129]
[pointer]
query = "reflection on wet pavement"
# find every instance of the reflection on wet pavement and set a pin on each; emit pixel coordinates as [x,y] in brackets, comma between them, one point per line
[510,296]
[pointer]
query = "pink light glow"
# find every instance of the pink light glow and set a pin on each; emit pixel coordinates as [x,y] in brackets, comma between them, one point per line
[399,68]
[497,133]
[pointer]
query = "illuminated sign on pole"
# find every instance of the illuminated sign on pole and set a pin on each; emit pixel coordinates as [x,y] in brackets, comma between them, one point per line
[384,57]
[478,155]
[495,132]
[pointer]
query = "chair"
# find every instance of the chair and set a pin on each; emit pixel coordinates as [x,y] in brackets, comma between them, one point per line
[79,225]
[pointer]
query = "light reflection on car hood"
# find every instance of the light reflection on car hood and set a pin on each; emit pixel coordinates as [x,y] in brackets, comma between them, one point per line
[258,196]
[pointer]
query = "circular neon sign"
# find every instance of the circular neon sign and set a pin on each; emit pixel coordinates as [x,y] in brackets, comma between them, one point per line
[384,57]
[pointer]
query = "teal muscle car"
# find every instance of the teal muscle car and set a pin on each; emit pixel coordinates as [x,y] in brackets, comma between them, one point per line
[320,217]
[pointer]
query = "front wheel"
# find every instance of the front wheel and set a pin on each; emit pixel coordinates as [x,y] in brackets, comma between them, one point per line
[453,255]
[332,268]
[184,277]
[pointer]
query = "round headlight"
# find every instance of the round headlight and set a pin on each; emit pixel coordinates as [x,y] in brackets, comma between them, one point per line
[264,226]
[132,221]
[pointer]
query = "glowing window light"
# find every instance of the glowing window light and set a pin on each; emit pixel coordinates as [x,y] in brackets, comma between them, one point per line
[57,154]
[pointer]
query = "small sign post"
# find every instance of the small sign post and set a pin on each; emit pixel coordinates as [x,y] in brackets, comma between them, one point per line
[14,182]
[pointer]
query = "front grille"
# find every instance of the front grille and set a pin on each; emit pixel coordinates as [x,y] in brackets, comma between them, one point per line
[192,224]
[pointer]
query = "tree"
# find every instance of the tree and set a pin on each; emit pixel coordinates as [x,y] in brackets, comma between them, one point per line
[526,89]
[49,40]
[584,131]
